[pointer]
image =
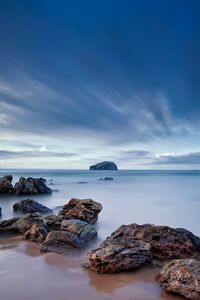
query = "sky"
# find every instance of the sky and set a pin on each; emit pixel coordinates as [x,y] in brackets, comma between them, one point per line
[85,81]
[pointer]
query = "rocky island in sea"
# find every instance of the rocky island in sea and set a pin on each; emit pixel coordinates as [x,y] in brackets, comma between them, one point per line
[105,165]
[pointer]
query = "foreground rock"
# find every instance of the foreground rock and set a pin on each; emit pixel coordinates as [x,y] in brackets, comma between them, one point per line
[31,186]
[82,209]
[105,165]
[36,233]
[61,241]
[166,242]
[119,254]
[6,184]
[182,276]
[80,228]
[31,206]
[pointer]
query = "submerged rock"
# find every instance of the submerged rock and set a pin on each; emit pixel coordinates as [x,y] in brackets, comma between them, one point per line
[31,186]
[119,254]
[36,233]
[182,276]
[80,228]
[107,178]
[105,165]
[6,184]
[30,206]
[61,241]
[166,242]
[82,209]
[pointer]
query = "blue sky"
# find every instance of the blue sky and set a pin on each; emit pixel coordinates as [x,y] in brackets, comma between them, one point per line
[85,81]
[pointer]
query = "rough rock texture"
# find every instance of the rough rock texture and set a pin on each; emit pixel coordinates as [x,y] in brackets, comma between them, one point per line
[118,254]
[85,210]
[36,233]
[31,186]
[6,184]
[7,225]
[61,241]
[105,165]
[53,222]
[166,242]
[24,224]
[182,276]
[30,206]
[80,228]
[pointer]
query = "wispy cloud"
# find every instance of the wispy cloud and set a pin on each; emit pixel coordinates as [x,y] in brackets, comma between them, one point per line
[179,158]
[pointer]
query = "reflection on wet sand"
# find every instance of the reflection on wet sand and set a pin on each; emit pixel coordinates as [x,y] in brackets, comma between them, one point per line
[108,283]
[61,277]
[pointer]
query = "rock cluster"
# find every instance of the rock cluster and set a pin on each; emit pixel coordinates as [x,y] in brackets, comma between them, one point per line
[56,233]
[25,186]
[133,245]
[31,186]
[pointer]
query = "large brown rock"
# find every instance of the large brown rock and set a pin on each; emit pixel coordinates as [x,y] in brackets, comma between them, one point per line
[6,184]
[82,209]
[31,186]
[119,254]
[182,276]
[167,243]
[61,241]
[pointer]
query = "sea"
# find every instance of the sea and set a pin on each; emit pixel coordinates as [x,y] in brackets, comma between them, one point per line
[133,196]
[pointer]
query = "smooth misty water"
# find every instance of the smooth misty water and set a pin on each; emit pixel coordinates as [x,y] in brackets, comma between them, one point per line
[161,197]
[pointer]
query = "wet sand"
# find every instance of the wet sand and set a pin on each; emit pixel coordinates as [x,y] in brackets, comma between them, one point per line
[25,274]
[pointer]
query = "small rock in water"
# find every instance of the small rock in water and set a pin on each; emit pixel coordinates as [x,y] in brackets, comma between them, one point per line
[181,276]
[82,209]
[31,206]
[82,182]
[61,241]
[6,184]
[80,228]
[107,178]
